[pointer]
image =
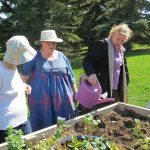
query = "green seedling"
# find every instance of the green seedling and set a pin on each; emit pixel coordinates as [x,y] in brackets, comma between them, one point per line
[14,139]
[75,143]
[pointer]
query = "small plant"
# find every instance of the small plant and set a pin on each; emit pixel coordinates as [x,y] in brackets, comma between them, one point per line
[114,147]
[75,143]
[14,139]
[91,123]
[144,143]
[137,129]
[54,140]
[60,121]
[101,143]
[91,143]
[89,120]
[58,133]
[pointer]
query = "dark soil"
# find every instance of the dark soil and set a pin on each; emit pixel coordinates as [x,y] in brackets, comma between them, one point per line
[119,127]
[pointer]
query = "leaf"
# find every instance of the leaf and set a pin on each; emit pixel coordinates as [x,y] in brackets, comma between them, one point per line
[108,143]
[71,145]
[94,144]
[79,144]
[137,121]
[88,146]
[114,147]
[88,119]
[103,146]
[95,122]
[74,139]
[147,140]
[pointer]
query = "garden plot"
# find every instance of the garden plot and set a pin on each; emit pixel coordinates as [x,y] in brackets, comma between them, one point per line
[117,127]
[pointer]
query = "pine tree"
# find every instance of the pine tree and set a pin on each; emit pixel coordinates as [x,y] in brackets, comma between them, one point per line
[77,22]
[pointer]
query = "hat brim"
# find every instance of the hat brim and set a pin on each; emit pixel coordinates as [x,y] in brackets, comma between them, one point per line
[29,55]
[58,40]
[20,58]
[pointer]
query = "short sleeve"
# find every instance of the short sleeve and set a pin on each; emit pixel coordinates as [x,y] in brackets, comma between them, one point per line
[70,71]
[28,68]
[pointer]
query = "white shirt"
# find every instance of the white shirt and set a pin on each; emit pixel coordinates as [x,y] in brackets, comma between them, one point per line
[13,108]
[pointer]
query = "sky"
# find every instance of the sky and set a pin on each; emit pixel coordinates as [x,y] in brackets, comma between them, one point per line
[2,15]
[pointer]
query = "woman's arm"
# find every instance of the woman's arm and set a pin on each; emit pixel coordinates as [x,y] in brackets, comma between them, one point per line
[74,88]
[71,76]
[24,78]
[27,88]
[28,70]
[94,56]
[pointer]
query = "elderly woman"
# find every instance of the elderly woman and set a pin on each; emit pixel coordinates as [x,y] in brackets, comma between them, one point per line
[106,63]
[52,81]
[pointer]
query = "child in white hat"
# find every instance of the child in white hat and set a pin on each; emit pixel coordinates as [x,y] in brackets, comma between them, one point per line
[13,108]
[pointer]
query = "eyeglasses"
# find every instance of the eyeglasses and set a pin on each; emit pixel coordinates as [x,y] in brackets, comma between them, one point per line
[51,43]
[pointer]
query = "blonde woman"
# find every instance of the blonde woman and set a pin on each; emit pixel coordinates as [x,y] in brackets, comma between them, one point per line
[106,63]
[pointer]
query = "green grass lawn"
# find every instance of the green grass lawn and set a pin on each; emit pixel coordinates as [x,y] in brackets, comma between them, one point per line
[139,69]
[140,46]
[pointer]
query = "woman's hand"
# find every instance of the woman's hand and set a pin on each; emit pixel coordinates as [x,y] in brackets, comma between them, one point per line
[92,79]
[28,89]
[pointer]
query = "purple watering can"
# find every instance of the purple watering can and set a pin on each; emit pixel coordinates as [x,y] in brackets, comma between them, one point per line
[89,95]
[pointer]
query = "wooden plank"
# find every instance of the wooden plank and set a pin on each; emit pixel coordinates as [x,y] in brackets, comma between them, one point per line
[41,134]
[3,146]
[139,110]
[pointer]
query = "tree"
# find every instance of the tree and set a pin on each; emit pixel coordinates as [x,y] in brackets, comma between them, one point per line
[77,22]
[101,15]
[31,16]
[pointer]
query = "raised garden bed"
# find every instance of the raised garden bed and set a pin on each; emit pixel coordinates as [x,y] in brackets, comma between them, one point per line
[117,127]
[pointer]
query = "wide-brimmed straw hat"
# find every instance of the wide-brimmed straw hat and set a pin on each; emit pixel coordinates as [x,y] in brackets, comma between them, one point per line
[50,35]
[18,50]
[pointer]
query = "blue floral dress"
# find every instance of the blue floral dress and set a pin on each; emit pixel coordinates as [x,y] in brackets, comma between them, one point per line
[51,94]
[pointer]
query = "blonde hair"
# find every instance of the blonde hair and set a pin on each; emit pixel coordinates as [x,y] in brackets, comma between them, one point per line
[122,29]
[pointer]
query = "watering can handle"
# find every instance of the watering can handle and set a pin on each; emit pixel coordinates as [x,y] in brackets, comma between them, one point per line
[82,77]
[85,77]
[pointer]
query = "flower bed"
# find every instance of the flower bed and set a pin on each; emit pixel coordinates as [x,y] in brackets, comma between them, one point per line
[116,127]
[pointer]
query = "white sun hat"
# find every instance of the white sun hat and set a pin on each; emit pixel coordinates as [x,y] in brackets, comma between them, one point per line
[50,35]
[18,50]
